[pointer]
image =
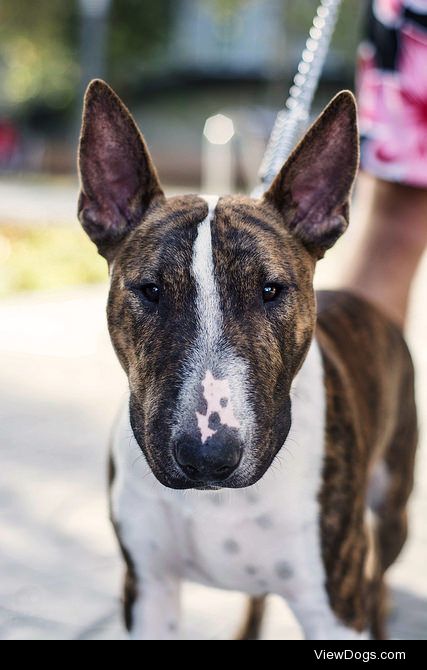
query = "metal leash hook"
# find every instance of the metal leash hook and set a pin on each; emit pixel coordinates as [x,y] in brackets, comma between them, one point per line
[292,120]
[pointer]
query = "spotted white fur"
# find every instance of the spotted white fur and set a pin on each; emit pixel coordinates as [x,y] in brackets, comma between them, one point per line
[210,355]
[261,539]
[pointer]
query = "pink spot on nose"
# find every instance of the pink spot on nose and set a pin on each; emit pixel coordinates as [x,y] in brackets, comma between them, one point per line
[218,398]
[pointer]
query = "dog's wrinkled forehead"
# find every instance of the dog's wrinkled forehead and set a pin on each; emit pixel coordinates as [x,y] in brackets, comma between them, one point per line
[162,246]
[245,238]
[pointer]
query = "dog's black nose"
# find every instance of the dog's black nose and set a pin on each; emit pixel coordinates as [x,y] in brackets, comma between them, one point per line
[213,461]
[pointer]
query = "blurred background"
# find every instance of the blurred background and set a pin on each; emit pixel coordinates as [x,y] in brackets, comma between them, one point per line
[177,64]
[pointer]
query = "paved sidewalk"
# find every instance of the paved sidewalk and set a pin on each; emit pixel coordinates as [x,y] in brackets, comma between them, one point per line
[59,390]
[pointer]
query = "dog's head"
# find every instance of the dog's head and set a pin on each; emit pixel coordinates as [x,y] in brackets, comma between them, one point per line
[211,309]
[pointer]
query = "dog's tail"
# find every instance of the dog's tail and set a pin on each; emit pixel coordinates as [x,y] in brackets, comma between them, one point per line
[252,623]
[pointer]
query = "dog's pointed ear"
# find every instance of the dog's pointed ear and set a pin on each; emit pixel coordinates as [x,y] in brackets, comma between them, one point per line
[118,178]
[312,190]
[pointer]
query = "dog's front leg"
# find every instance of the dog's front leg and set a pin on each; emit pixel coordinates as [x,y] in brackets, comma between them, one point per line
[151,599]
[155,610]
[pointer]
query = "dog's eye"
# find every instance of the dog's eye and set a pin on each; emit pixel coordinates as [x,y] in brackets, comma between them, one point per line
[150,292]
[271,292]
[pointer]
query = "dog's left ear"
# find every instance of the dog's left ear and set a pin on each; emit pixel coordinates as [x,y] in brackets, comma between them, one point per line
[118,179]
[313,188]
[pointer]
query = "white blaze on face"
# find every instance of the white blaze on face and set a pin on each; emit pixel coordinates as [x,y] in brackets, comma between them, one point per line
[217,394]
[208,305]
[211,361]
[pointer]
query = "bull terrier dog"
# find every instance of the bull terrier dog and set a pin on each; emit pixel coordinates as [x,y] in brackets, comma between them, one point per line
[268,443]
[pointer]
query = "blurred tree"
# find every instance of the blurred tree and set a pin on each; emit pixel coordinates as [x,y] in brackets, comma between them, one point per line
[40,50]
[37,63]
[139,35]
[226,7]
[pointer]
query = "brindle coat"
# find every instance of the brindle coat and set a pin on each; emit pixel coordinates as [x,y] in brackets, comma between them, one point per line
[371,416]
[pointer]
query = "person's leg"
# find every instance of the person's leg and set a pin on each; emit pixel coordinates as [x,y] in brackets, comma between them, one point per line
[393,244]
[391,91]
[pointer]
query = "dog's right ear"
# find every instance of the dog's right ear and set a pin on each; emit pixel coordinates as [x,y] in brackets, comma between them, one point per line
[118,179]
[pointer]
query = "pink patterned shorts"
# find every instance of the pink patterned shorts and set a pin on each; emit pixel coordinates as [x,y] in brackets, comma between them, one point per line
[392,92]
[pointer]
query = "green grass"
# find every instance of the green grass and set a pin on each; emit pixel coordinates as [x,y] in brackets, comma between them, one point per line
[43,258]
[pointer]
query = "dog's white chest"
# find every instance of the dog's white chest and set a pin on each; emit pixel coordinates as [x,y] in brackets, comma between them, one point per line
[260,539]
[249,540]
